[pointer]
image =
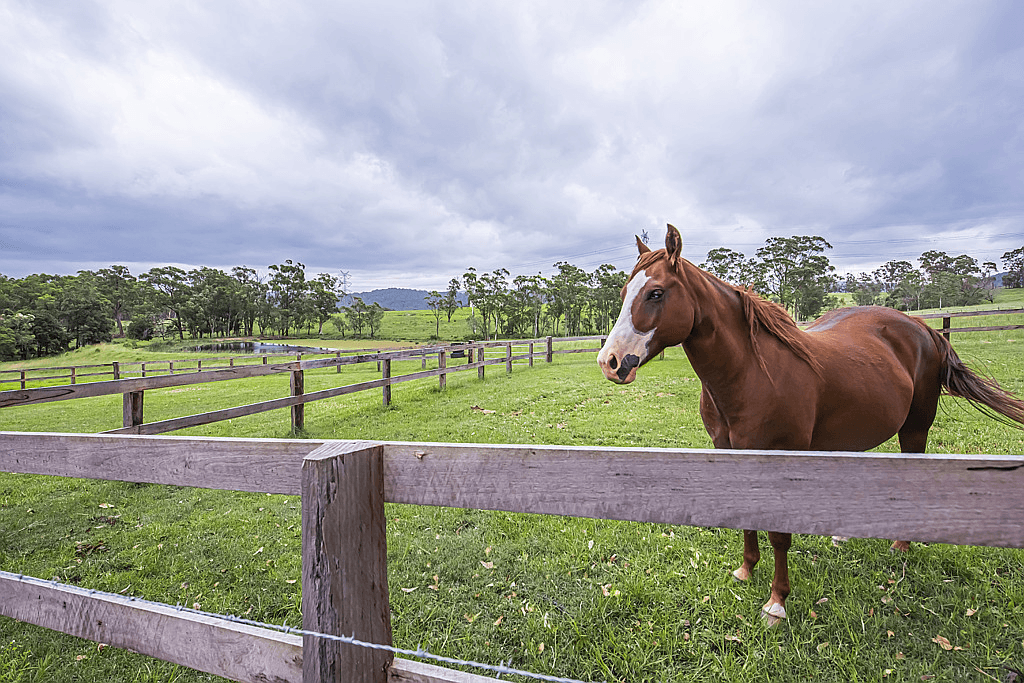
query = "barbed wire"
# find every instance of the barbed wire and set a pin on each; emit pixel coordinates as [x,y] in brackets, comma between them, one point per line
[499,669]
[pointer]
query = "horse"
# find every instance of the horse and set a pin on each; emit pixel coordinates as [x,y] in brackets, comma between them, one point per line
[849,382]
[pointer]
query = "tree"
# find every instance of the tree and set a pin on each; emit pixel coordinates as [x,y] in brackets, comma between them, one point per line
[730,266]
[1013,261]
[84,314]
[118,286]
[794,271]
[167,289]
[567,293]
[252,293]
[374,318]
[323,294]
[287,288]
[451,302]
[436,303]
[606,301]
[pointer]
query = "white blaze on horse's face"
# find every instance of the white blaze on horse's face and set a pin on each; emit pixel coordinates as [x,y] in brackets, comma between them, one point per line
[626,347]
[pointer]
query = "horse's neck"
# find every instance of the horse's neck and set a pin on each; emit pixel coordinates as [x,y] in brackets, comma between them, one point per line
[719,346]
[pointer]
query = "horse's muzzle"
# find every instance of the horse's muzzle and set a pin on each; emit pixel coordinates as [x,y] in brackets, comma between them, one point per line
[620,372]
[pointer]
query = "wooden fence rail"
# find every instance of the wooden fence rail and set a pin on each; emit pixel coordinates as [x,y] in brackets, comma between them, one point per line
[962,499]
[133,389]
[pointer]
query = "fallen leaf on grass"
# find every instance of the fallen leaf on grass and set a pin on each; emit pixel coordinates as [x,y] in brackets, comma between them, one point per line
[409,590]
[735,639]
[499,620]
[106,505]
[470,619]
[822,601]
[822,646]
[487,565]
[608,593]
[483,410]
[434,586]
[943,642]
[971,612]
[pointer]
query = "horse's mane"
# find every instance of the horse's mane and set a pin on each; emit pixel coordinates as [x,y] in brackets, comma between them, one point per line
[759,313]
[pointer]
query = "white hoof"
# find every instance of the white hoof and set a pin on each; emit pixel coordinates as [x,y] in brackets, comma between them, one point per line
[740,574]
[773,614]
[839,540]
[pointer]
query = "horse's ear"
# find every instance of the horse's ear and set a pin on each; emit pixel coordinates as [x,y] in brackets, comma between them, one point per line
[641,246]
[673,244]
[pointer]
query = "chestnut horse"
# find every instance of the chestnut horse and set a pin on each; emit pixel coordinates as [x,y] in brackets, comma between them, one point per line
[851,381]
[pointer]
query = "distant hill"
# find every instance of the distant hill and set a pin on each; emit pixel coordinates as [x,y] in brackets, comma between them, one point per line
[395,299]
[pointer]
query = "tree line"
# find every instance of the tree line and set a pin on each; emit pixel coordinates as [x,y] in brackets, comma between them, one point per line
[46,314]
[795,272]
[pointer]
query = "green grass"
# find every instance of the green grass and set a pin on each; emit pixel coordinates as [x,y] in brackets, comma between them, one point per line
[608,600]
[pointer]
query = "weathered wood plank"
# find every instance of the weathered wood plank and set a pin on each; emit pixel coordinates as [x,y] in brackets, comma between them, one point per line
[408,671]
[215,646]
[963,499]
[257,465]
[344,563]
[64,392]
[969,314]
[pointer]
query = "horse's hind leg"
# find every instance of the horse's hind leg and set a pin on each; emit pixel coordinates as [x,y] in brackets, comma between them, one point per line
[751,554]
[914,435]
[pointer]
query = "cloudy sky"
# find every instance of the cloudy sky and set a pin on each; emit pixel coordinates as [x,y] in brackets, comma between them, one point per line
[405,142]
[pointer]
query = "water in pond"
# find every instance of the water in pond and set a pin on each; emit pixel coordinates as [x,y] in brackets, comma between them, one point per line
[255,348]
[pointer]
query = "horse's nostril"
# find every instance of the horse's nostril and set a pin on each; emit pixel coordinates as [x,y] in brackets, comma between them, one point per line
[612,363]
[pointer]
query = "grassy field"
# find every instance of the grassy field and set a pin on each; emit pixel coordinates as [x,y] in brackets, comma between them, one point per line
[587,599]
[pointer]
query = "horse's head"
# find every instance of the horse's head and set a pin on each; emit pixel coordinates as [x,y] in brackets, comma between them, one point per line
[656,311]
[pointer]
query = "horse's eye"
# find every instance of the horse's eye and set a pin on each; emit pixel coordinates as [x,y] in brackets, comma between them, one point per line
[655,294]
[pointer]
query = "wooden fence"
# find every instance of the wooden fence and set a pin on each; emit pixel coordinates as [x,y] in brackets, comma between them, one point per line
[962,499]
[133,389]
[123,369]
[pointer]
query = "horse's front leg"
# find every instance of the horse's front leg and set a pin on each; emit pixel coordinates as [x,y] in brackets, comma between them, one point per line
[751,554]
[774,610]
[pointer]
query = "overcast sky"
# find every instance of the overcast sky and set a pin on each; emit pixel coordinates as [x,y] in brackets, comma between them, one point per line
[405,142]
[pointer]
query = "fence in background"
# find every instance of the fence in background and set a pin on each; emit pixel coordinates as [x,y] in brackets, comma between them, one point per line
[133,389]
[961,499]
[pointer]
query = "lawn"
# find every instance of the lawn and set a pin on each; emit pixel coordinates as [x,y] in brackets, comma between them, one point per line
[588,599]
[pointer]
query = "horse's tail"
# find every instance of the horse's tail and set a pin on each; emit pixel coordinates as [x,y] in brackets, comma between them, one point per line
[984,393]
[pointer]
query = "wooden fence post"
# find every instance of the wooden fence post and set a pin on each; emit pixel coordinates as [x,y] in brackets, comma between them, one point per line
[551,350]
[344,563]
[470,354]
[73,377]
[442,363]
[531,354]
[132,408]
[338,356]
[385,372]
[945,328]
[115,365]
[264,359]
[298,411]
[199,365]
[480,359]
[170,367]
[508,358]
[23,378]
[143,368]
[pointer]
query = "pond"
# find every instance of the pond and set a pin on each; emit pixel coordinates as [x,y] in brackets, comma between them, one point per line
[255,348]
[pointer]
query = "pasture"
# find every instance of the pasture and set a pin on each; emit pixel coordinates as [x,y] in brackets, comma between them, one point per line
[581,598]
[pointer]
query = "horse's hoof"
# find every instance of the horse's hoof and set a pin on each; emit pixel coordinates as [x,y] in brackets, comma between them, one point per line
[900,546]
[741,574]
[772,614]
[839,540]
